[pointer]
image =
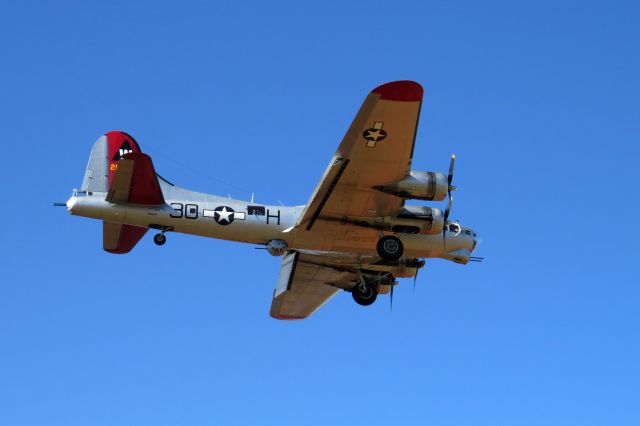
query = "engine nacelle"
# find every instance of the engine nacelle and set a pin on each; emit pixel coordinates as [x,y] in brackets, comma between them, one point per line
[428,220]
[276,247]
[419,186]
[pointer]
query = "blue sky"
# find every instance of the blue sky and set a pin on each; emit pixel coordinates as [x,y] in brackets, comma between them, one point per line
[539,100]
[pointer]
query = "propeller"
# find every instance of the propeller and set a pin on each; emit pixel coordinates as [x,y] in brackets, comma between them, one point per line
[415,277]
[450,188]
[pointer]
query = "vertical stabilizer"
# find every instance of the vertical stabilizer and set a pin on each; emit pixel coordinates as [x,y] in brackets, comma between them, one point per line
[103,161]
[97,174]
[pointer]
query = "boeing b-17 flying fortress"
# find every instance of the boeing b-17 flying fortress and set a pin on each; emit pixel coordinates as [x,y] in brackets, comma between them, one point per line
[355,233]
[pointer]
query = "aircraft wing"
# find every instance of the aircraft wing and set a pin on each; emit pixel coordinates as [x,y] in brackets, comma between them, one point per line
[376,150]
[306,282]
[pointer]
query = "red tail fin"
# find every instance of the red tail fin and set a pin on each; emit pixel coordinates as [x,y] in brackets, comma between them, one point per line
[119,143]
[104,158]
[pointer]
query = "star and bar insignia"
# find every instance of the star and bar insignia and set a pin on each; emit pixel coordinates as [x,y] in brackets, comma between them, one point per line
[374,134]
[223,215]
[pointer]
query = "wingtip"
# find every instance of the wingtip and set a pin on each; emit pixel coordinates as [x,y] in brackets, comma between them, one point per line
[288,317]
[402,90]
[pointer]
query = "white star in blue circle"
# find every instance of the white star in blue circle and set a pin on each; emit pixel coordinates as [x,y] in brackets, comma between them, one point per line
[223,215]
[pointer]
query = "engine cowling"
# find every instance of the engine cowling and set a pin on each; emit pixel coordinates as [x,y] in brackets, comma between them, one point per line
[430,220]
[419,186]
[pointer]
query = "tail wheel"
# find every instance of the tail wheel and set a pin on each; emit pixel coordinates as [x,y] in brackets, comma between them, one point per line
[365,295]
[390,248]
[159,239]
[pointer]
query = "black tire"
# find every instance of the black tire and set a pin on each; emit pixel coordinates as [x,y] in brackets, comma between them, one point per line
[366,297]
[159,239]
[390,248]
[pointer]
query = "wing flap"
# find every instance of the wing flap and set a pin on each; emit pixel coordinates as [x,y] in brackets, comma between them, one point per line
[303,287]
[324,190]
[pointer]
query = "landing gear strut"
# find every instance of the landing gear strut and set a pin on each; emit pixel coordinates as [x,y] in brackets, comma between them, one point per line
[390,248]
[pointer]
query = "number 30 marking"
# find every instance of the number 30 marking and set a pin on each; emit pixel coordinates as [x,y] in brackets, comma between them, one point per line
[189,211]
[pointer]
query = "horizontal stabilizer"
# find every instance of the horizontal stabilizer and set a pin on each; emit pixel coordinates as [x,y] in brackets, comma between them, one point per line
[120,239]
[135,182]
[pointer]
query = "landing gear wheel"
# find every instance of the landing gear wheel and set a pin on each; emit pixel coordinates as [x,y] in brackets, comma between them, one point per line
[365,295]
[390,248]
[159,239]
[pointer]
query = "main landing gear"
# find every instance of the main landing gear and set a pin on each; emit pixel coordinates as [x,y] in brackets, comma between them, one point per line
[390,248]
[365,293]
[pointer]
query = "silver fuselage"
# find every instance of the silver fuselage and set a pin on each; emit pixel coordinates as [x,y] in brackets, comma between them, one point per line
[190,212]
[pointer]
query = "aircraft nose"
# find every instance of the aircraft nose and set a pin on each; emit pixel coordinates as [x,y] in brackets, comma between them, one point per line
[476,240]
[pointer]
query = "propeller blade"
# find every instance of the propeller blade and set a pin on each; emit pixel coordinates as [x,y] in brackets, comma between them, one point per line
[448,209]
[453,160]
[446,218]
[391,298]
[449,189]
[59,204]
[444,236]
